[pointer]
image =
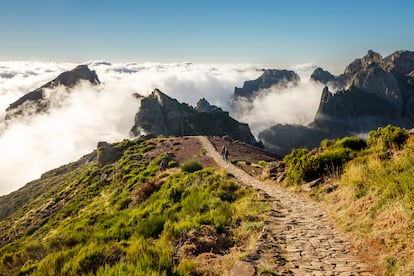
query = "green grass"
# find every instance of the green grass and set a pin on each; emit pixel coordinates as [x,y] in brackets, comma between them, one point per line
[191,166]
[373,197]
[124,218]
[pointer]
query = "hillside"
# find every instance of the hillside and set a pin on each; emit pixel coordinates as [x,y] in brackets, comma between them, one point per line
[129,208]
[142,207]
[367,188]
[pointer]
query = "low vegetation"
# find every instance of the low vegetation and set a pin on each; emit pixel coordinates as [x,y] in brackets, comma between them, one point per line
[371,195]
[134,216]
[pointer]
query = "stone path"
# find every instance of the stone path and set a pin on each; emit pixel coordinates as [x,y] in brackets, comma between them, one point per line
[297,239]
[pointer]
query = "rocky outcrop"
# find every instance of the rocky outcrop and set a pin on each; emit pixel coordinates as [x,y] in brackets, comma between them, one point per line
[38,101]
[372,92]
[324,77]
[269,78]
[204,106]
[161,115]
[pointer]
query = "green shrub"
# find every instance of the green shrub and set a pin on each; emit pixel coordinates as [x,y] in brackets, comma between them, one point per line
[353,143]
[305,166]
[263,163]
[172,164]
[388,137]
[191,166]
[203,152]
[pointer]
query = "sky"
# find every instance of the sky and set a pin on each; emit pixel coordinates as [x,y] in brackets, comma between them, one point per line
[260,31]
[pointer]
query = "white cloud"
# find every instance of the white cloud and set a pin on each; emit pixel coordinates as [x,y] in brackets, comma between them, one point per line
[106,112]
[92,114]
[292,105]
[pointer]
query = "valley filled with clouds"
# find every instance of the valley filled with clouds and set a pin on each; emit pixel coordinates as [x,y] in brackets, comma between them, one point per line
[88,114]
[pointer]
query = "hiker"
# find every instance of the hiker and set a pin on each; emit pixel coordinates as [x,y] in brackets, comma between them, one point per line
[226,154]
[222,152]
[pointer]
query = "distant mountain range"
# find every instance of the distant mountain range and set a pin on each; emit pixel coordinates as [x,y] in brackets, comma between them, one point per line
[372,92]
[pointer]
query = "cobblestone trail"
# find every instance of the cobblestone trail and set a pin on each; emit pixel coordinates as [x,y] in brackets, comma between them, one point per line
[297,239]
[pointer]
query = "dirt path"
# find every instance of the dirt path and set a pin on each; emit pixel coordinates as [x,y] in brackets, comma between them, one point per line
[297,239]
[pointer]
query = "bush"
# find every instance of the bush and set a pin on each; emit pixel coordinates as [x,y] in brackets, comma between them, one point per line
[191,166]
[172,164]
[353,143]
[305,166]
[388,137]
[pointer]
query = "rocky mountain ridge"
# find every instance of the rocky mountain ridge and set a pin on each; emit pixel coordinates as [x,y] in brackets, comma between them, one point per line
[372,92]
[160,114]
[38,101]
[270,77]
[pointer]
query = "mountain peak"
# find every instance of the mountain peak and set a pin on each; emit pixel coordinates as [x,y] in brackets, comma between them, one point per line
[160,114]
[73,77]
[204,106]
[36,100]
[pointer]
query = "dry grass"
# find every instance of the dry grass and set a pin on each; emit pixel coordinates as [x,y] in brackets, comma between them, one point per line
[372,206]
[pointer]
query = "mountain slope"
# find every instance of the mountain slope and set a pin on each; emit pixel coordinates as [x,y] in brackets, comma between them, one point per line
[126,208]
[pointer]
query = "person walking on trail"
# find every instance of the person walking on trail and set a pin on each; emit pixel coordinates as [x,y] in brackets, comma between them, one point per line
[226,154]
[222,152]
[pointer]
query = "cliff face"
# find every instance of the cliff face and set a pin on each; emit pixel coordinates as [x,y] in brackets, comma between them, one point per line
[372,92]
[37,101]
[269,78]
[161,115]
[374,87]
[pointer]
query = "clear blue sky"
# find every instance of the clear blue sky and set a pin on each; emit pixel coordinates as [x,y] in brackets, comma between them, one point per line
[208,31]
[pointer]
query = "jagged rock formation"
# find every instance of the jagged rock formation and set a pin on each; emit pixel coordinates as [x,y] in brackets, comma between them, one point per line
[269,78]
[161,115]
[322,76]
[204,106]
[38,101]
[372,92]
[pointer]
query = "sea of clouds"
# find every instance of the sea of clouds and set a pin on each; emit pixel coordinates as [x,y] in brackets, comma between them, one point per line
[106,112]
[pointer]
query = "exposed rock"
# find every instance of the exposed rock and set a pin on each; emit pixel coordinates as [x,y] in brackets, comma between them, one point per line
[372,92]
[204,106]
[269,78]
[400,62]
[107,153]
[377,81]
[37,100]
[242,268]
[324,77]
[161,115]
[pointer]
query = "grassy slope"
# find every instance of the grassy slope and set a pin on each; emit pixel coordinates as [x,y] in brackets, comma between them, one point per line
[126,217]
[371,198]
[374,204]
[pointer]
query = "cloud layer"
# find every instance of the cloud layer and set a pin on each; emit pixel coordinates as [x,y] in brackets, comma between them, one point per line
[106,112]
[291,105]
[92,114]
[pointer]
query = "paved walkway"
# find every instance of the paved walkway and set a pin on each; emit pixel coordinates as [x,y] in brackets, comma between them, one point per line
[298,238]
